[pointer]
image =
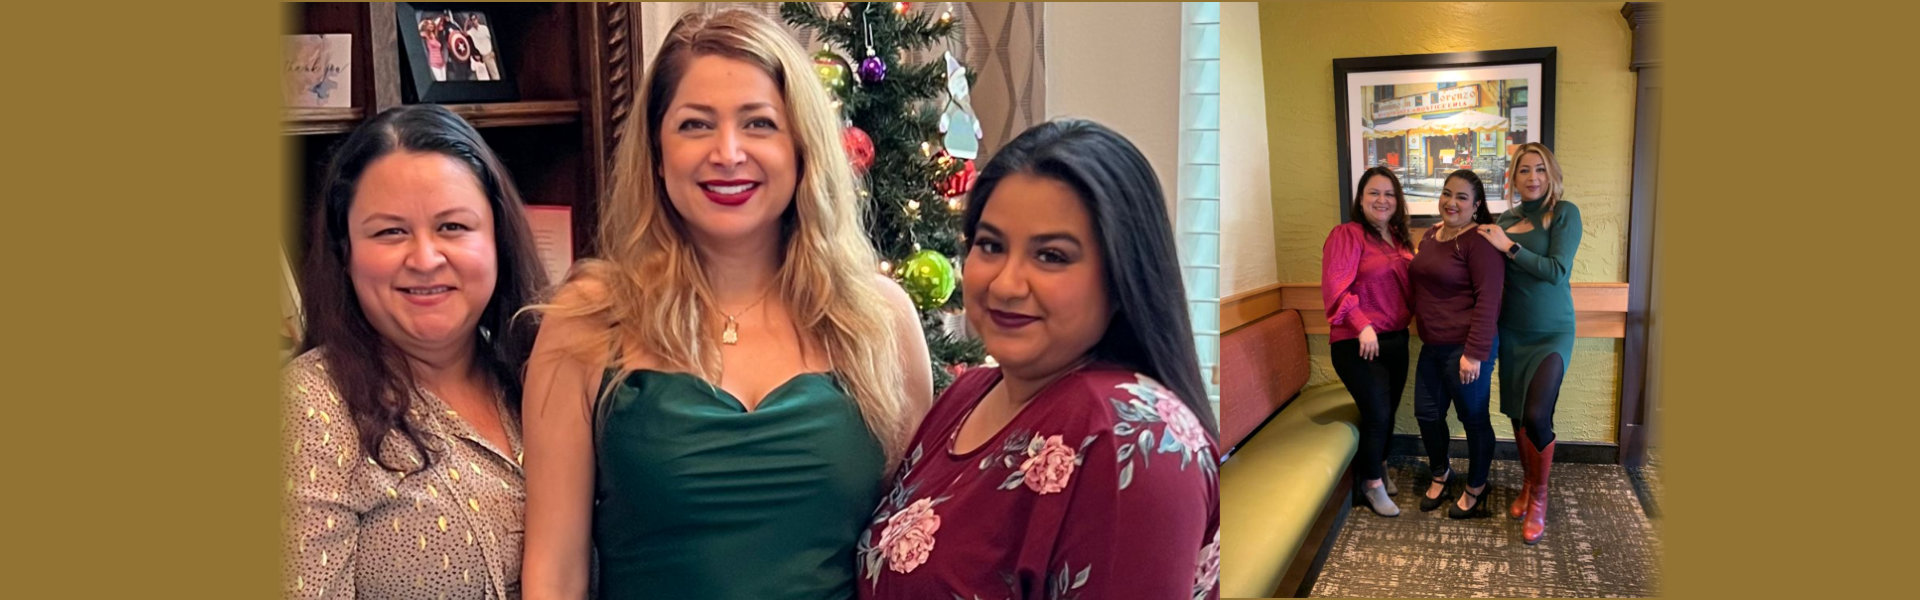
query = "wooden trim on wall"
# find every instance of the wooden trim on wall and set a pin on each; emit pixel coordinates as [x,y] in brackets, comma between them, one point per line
[1600,308]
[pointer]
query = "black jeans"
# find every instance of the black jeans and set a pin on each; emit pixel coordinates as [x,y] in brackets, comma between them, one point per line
[1436,383]
[1376,386]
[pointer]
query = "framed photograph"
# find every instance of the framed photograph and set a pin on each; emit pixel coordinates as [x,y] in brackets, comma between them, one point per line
[1427,115]
[452,53]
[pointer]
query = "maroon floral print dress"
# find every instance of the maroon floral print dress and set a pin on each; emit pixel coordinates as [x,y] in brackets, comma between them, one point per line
[1103,486]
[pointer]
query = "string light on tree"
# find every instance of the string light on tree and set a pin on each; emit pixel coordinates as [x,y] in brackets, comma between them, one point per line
[900,101]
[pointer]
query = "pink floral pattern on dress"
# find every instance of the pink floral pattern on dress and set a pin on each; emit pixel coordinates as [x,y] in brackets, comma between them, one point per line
[1049,464]
[1180,432]
[1181,424]
[1206,575]
[908,538]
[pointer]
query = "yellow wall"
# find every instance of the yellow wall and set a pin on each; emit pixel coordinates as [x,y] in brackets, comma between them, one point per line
[1593,139]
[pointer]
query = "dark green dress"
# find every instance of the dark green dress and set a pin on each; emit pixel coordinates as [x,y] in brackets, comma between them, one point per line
[696,497]
[1536,308]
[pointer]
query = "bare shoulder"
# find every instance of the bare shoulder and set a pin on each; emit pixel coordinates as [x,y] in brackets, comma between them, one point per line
[578,312]
[583,290]
[896,296]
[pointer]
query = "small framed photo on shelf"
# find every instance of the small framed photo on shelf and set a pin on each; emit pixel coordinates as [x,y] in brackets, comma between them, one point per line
[452,54]
[1427,115]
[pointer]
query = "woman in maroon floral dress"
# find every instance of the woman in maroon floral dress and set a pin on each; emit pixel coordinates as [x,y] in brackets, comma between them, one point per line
[1084,465]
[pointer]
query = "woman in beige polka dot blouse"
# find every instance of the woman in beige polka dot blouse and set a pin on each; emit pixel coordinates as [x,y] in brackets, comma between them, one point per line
[402,444]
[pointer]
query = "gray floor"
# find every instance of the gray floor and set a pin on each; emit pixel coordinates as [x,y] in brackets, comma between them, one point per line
[1599,542]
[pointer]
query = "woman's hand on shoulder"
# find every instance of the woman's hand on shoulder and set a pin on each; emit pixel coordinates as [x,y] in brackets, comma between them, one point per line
[916,365]
[1496,236]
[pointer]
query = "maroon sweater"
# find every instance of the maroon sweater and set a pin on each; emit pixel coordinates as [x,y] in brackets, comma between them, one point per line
[1456,291]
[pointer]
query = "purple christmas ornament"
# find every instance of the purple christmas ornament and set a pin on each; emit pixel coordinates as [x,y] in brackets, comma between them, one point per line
[872,70]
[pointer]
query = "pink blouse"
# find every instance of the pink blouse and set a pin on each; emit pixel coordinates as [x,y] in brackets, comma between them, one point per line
[1363,281]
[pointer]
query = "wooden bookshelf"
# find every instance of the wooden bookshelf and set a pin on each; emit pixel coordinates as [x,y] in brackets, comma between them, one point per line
[572,65]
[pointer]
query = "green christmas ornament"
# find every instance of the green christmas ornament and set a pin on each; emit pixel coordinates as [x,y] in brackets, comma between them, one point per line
[928,278]
[833,72]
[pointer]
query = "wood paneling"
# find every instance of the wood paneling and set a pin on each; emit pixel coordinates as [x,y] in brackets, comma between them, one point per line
[1600,309]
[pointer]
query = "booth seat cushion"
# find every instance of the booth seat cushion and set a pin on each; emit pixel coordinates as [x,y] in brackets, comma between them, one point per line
[1272,489]
[1263,364]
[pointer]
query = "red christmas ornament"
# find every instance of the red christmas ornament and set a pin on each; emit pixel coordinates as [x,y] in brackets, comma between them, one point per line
[960,182]
[956,369]
[859,147]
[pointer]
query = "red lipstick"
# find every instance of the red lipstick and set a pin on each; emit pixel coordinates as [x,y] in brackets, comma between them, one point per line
[730,192]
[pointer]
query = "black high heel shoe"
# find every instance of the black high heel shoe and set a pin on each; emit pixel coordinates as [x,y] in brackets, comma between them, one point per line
[1446,489]
[1478,510]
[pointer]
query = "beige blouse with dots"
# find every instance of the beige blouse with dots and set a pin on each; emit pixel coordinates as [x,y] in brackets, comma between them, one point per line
[357,530]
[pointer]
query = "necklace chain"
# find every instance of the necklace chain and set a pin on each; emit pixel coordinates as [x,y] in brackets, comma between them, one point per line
[731,334]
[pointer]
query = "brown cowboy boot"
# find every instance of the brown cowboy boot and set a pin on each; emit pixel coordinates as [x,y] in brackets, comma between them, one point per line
[1536,523]
[1519,508]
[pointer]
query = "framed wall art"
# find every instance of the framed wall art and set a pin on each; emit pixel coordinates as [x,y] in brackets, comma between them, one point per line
[1426,115]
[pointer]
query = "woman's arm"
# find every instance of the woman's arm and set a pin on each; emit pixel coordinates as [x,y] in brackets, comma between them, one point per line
[557,424]
[915,365]
[1557,264]
[318,457]
[1487,272]
[1339,268]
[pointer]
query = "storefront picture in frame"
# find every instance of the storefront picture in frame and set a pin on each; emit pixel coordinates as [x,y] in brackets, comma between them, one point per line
[1426,115]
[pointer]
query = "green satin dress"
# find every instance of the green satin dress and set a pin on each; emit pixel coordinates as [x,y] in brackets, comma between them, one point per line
[697,497]
[1536,307]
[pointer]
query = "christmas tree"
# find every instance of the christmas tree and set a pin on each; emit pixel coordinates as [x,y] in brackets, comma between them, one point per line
[911,135]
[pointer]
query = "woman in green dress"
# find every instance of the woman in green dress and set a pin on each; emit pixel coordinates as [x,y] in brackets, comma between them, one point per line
[713,403]
[1539,237]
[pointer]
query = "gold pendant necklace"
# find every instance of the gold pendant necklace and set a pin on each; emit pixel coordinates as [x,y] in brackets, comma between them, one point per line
[731,334]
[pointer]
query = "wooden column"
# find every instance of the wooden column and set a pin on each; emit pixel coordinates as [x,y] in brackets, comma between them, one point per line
[1637,399]
[384,34]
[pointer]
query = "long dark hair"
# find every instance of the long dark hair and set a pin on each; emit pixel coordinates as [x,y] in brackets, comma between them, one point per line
[370,375]
[1480,213]
[1150,331]
[1396,224]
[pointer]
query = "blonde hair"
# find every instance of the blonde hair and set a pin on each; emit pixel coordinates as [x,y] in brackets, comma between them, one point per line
[657,298]
[1556,186]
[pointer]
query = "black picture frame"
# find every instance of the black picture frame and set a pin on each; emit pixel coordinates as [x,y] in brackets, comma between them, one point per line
[424,85]
[1352,78]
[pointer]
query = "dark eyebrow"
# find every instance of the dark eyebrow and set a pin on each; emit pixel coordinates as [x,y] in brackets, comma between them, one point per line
[1062,236]
[397,218]
[1036,239]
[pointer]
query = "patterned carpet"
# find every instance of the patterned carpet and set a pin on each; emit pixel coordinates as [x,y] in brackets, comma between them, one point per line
[1599,542]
